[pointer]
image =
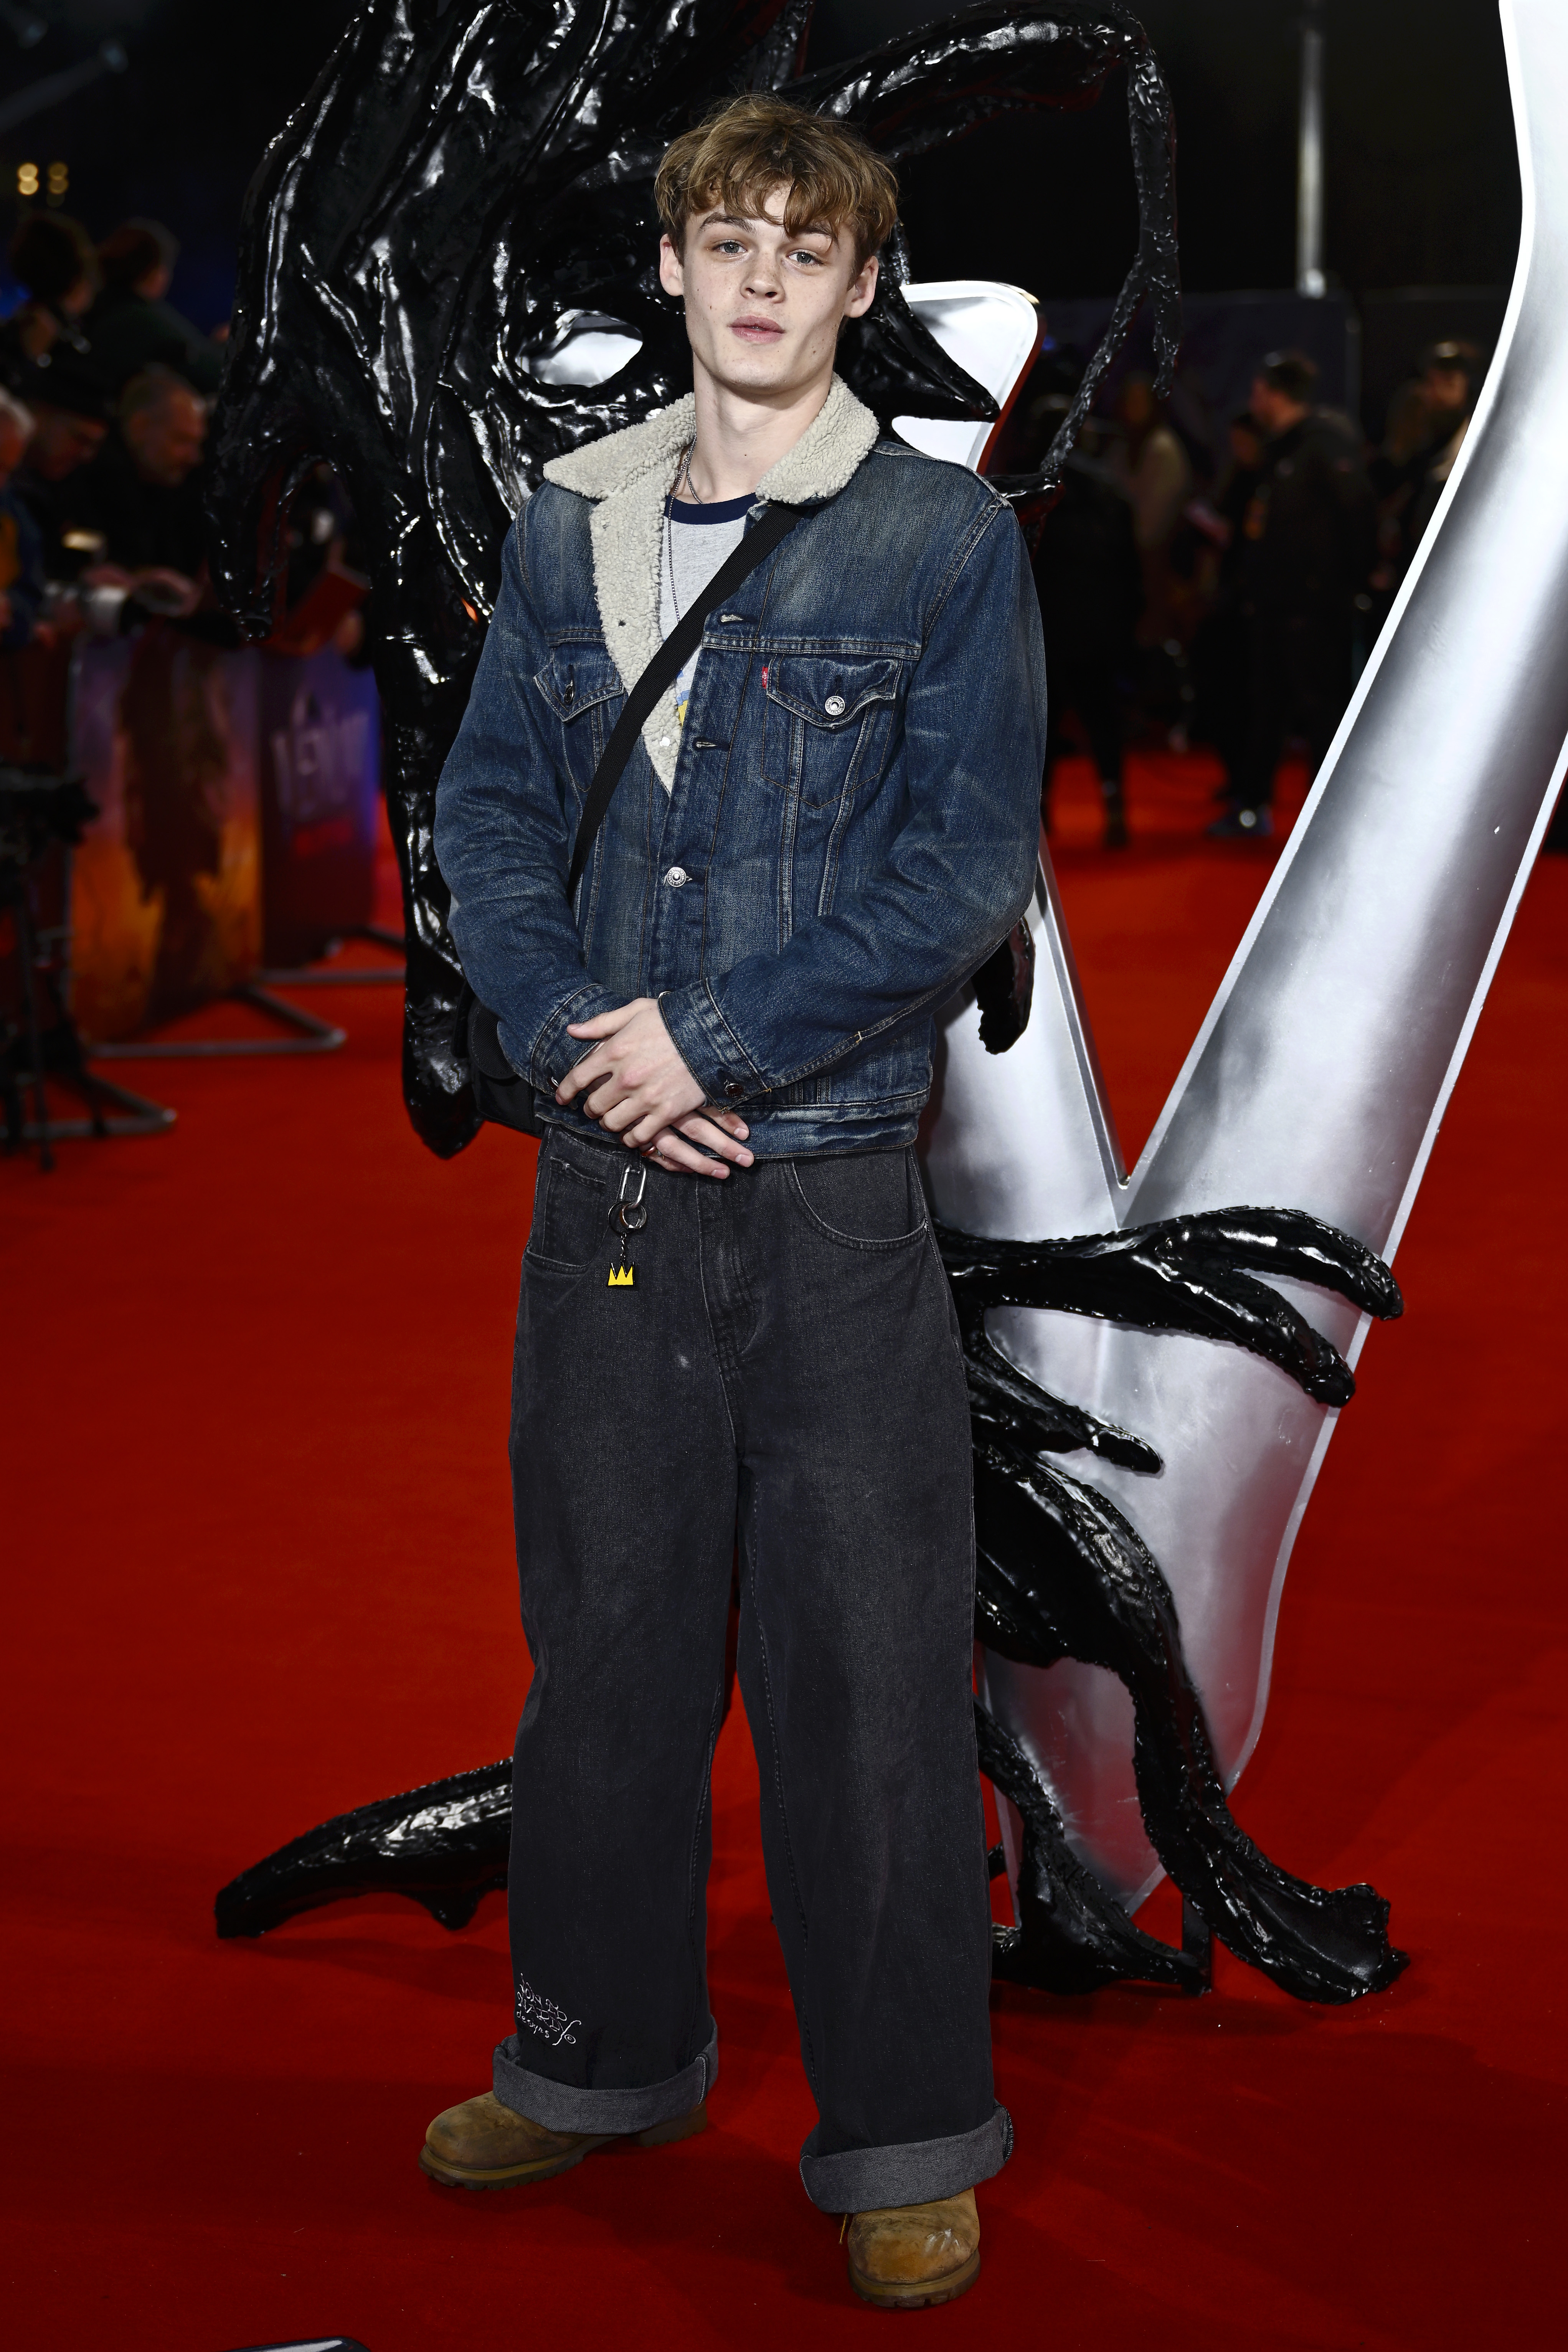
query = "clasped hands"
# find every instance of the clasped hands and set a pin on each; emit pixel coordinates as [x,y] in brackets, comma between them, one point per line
[635,1085]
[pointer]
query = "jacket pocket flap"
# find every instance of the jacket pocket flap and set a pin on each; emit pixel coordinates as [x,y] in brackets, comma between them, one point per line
[577,677]
[828,691]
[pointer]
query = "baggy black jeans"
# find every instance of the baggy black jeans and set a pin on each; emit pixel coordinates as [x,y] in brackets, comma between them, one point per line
[784,1365]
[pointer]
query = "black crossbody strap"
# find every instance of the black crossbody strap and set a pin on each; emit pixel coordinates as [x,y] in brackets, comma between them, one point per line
[664,668]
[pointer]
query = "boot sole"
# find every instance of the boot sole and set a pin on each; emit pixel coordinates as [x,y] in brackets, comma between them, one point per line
[546,2168]
[917,2294]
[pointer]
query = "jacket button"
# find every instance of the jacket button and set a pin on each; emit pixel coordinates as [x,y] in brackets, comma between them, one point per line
[733,1091]
[834,705]
[676,878]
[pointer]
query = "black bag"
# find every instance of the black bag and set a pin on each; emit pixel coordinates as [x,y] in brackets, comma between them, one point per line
[499,1094]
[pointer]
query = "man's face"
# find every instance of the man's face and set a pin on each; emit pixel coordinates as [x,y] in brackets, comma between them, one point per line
[62,441]
[1446,390]
[1275,410]
[166,441]
[763,308]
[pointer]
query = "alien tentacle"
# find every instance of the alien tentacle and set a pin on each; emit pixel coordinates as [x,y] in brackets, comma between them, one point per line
[1072,1937]
[1004,1403]
[1060,1573]
[443,1846]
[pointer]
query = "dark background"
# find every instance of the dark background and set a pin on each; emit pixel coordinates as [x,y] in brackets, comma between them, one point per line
[1423,187]
[1421,172]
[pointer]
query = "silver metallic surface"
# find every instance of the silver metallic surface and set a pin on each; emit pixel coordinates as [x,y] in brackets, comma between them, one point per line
[1320,1076]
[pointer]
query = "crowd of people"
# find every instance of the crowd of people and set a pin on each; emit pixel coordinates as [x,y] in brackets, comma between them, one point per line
[104,396]
[1263,595]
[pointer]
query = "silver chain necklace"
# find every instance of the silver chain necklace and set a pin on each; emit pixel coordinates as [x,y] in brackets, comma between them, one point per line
[683,476]
[683,479]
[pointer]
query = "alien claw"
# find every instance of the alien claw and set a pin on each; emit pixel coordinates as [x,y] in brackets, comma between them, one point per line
[1290,1243]
[1006,1404]
[1194,1275]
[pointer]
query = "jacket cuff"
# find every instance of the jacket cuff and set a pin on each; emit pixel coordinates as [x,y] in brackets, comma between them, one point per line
[552,1053]
[708,1047]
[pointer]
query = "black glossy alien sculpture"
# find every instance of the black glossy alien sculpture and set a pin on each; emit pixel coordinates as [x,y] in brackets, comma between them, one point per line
[465,184]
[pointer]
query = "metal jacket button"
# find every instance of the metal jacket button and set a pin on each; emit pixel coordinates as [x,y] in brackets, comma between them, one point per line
[834,705]
[676,878]
[733,1091]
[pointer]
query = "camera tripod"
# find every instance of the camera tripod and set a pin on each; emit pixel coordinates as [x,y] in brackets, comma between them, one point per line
[36,812]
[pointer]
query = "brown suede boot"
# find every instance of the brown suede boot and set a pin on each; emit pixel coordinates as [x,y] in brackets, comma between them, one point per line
[903,2256]
[482,2145]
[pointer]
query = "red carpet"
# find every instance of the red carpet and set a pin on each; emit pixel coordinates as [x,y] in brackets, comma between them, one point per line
[258,1528]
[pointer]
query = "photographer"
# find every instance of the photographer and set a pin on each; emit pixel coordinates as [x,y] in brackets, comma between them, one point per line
[70,414]
[142,495]
[21,549]
[53,259]
[131,326]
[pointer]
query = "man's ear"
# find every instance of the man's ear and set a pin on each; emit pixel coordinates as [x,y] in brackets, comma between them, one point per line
[863,286]
[672,274]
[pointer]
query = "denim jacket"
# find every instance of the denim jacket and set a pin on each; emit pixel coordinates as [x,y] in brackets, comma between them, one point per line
[850,822]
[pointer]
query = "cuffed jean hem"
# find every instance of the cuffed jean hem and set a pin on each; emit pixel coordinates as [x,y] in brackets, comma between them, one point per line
[562,2108]
[863,2179]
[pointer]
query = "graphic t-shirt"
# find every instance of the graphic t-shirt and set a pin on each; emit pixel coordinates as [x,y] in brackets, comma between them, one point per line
[694,542]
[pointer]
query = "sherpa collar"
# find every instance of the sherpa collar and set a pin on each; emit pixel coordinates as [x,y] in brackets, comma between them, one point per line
[820,465]
[628,475]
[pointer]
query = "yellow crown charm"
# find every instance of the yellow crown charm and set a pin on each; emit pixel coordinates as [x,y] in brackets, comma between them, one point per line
[620,1277]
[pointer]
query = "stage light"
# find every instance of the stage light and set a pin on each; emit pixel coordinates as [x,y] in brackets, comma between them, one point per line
[60,181]
[26,179]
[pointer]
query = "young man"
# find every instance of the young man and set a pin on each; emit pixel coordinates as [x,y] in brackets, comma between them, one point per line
[830,823]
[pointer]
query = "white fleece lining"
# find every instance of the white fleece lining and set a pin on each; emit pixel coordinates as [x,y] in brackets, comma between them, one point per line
[629,474]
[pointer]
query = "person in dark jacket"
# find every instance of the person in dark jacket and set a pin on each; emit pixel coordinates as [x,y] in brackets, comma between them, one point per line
[1221,711]
[21,550]
[828,821]
[52,258]
[70,411]
[1451,377]
[131,326]
[142,495]
[1309,547]
[1088,580]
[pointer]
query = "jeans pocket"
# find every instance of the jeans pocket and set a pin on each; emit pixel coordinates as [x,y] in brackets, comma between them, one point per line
[862,1199]
[571,1208]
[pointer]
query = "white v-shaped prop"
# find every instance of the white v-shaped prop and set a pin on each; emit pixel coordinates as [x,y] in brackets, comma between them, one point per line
[1320,1076]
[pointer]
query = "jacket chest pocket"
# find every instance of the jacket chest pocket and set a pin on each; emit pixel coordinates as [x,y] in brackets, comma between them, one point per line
[582,688]
[828,723]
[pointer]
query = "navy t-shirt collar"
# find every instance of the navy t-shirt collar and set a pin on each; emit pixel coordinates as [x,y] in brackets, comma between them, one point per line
[722,510]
